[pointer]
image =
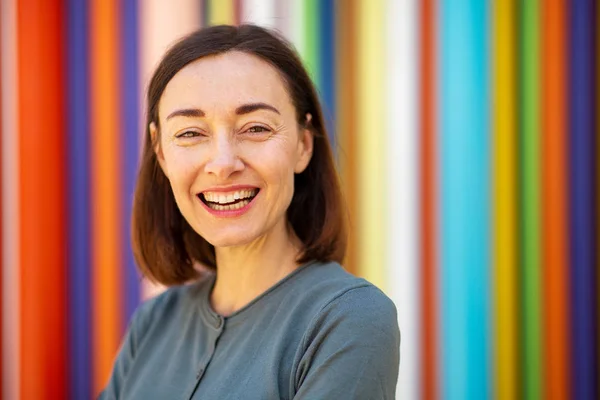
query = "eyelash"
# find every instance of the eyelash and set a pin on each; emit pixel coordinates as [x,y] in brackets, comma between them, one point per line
[263,129]
[184,135]
[192,134]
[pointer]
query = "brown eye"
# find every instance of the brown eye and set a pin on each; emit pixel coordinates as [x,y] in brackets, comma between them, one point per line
[258,129]
[188,134]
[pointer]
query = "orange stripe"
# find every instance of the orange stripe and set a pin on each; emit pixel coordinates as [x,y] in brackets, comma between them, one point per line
[43,336]
[429,355]
[106,250]
[555,237]
[346,123]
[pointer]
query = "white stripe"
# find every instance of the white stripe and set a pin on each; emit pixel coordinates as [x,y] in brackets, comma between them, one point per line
[297,26]
[259,12]
[403,167]
[284,14]
[161,24]
[10,204]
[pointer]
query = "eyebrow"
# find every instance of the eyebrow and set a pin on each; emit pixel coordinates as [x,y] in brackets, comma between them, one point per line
[243,109]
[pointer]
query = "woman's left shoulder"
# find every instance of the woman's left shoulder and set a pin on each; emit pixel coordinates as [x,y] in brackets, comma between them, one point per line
[342,294]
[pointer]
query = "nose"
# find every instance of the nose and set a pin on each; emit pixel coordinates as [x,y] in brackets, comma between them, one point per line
[224,160]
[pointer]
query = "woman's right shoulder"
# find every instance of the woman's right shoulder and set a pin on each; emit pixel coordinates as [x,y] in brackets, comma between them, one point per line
[175,302]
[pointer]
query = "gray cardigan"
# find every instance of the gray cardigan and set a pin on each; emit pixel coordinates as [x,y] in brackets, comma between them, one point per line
[320,333]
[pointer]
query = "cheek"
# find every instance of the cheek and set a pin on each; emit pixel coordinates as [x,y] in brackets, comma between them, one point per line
[182,169]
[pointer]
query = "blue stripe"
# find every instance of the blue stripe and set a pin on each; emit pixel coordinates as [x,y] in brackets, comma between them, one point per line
[327,65]
[465,180]
[78,110]
[584,328]
[130,119]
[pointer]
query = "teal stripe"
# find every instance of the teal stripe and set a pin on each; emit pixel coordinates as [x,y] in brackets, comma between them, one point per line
[465,180]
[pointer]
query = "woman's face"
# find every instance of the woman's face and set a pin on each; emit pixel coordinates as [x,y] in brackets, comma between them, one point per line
[230,145]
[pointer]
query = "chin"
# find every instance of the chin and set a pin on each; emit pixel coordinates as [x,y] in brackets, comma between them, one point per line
[229,240]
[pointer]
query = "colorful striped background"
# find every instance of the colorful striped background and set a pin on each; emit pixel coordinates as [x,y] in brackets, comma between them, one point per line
[467,136]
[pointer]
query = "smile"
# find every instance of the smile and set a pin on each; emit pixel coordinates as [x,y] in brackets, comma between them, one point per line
[228,201]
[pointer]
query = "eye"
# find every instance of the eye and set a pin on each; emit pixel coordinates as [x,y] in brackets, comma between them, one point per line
[188,134]
[258,129]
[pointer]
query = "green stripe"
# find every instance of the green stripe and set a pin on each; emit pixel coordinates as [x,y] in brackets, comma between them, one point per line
[530,198]
[311,37]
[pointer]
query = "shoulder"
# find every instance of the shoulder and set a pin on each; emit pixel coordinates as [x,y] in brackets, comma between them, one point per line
[173,303]
[340,296]
[333,287]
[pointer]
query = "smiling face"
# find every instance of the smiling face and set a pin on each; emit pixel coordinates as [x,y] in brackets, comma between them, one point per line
[230,144]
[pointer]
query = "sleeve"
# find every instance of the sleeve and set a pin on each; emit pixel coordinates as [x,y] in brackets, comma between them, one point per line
[126,354]
[352,349]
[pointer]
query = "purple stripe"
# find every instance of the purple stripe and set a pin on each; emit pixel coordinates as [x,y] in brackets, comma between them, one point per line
[78,170]
[130,119]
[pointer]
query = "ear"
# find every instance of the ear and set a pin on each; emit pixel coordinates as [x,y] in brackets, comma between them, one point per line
[305,146]
[154,137]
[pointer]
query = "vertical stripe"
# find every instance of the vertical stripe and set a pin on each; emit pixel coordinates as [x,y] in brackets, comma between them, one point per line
[285,18]
[465,197]
[597,216]
[130,120]
[78,201]
[555,240]
[327,66]
[106,173]
[346,111]
[298,16]
[402,238]
[310,51]
[41,144]
[237,11]
[428,190]
[371,140]
[221,12]
[205,12]
[259,12]
[529,188]
[505,199]
[11,304]
[583,276]
[1,219]
[160,25]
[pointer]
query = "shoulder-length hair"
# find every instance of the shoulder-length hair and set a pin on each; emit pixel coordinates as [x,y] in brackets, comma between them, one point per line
[166,248]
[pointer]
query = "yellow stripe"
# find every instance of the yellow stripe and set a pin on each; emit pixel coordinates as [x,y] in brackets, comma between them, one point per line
[371,140]
[505,206]
[221,12]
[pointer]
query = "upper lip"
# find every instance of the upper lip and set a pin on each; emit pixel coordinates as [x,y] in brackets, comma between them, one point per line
[232,188]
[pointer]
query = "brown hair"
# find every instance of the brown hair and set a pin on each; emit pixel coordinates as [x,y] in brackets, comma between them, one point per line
[164,245]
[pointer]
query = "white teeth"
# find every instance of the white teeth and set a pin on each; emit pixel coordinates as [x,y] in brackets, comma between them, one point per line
[227,207]
[223,198]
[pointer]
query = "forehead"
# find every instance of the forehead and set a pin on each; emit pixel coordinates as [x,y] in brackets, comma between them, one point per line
[225,81]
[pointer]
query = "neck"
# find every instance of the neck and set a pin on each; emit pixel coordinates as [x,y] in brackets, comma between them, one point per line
[245,272]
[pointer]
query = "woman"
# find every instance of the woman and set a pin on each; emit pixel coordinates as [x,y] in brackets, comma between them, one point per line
[237,175]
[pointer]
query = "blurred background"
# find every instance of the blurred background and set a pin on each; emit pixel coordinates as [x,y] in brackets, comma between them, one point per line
[466,134]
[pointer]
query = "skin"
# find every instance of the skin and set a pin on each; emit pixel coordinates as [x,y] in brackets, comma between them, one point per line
[220,147]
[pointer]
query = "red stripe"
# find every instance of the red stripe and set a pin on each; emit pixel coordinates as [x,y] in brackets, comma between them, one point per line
[42,235]
[428,189]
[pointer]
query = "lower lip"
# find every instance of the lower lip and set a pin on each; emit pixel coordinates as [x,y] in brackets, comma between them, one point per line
[229,213]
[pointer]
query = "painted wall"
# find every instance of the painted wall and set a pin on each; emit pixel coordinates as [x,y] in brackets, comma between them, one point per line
[466,133]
